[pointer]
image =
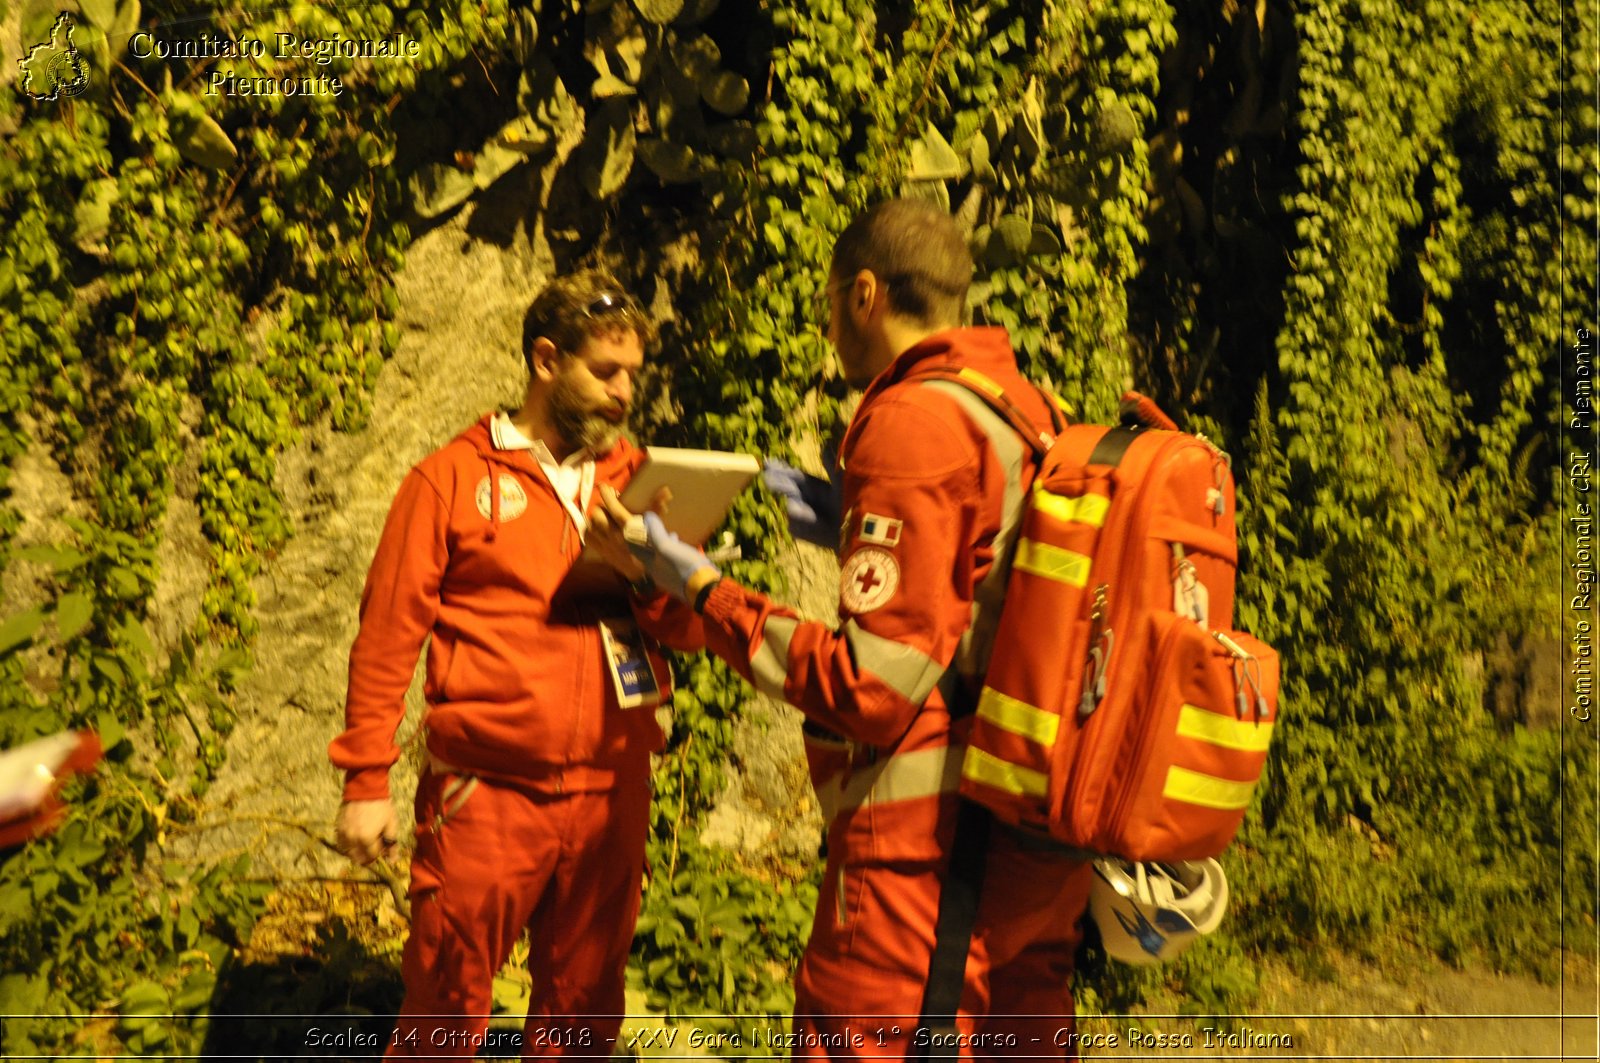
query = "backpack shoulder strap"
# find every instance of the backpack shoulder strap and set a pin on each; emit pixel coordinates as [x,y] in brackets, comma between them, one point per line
[1019,448]
[995,396]
[1137,414]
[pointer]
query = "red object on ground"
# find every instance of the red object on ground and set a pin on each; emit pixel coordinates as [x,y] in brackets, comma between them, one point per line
[49,813]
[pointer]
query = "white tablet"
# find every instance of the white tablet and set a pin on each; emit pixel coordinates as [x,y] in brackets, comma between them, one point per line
[703,483]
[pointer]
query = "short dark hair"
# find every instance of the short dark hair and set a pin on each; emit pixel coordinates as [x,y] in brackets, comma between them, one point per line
[578,306]
[918,250]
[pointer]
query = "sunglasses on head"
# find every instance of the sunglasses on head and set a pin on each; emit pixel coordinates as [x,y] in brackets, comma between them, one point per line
[610,302]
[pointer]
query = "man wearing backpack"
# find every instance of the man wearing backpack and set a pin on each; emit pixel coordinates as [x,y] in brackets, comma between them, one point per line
[932,486]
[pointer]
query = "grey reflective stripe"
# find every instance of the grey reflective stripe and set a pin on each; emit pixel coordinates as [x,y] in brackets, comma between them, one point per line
[907,671]
[769,666]
[460,789]
[902,777]
[829,794]
[977,643]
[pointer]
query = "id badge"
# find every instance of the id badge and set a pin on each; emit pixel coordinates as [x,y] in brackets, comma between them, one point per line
[633,672]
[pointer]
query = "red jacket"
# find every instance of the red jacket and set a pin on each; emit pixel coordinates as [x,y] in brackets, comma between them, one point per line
[474,553]
[925,496]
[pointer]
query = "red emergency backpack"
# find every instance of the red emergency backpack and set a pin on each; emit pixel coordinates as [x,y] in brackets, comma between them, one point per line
[1121,713]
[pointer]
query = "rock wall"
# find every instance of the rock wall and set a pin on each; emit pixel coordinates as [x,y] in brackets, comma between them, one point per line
[461,305]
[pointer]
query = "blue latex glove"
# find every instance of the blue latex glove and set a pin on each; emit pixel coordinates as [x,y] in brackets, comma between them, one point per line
[810,502]
[667,559]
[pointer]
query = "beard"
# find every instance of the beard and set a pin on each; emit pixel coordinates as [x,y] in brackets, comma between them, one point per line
[579,424]
[850,345]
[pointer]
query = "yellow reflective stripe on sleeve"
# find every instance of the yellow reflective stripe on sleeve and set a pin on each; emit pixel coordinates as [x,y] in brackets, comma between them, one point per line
[990,770]
[1194,788]
[1018,717]
[1052,562]
[1248,735]
[1083,509]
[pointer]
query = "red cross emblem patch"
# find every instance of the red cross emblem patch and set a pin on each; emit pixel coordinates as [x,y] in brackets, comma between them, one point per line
[868,579]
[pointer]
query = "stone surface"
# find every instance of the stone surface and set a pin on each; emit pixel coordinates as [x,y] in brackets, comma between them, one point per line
[768,812]
[461,305]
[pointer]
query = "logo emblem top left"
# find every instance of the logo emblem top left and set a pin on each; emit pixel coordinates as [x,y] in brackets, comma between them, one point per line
[55,69]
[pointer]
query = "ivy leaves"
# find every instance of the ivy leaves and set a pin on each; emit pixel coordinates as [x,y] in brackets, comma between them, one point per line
[196,135]
[116,20]
[657,95]
[1368,502]
[160,308]
[235,281]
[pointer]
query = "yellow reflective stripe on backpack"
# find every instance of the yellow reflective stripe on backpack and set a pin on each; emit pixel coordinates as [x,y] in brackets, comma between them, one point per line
[990,770]
[1248,735]
[1195,788]
[1052,562]
[977,379]
[1083,509]
[1018,717]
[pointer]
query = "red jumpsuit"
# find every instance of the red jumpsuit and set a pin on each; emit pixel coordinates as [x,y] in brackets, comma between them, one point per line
[534,809]
[929,476]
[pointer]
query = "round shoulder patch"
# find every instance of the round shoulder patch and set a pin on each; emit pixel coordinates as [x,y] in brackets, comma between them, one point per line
[868,579]
[513,499]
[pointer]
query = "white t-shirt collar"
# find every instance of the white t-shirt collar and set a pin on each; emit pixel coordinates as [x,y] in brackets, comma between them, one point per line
[572,477]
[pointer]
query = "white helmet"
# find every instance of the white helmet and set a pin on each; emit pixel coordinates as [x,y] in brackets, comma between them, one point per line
[1148,913]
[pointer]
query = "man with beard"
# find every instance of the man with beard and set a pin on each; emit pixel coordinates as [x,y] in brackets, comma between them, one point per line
[532,806]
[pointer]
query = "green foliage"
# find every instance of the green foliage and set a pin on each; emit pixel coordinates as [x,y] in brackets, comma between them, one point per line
[1369,324]
[1379,587]
[713,941]
[193,277]
[1329,233]
[187,284]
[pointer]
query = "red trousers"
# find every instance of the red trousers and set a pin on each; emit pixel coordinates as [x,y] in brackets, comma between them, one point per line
[566,866]
[858,994]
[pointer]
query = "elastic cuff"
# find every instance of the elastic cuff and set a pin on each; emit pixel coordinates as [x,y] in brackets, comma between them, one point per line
[705,592]
[366,784]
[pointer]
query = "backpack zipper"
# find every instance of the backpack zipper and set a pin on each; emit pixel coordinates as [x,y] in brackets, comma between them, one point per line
[1136,535]
[1244,678]
[1141,751]
[1105,629]
[1094,676]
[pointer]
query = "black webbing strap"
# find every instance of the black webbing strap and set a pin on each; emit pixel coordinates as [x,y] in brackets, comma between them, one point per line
[1112,446]
[958,910]
[1034,841]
